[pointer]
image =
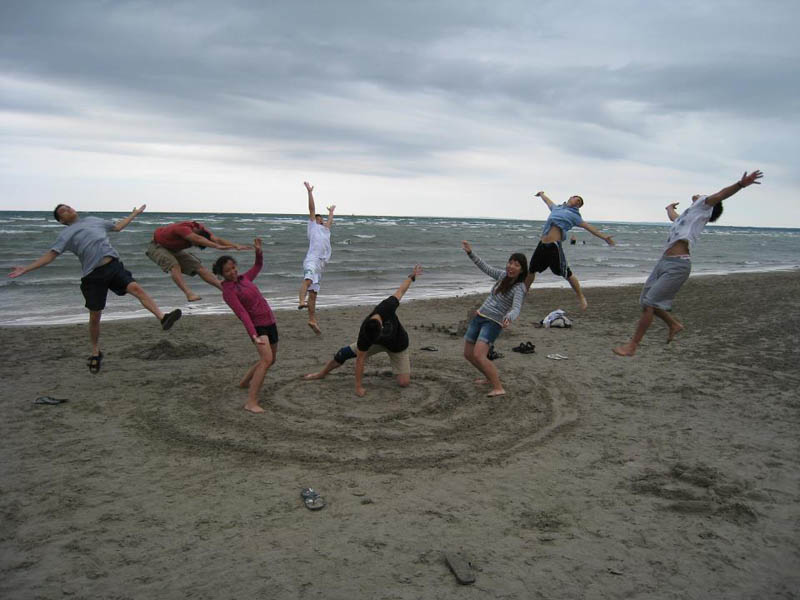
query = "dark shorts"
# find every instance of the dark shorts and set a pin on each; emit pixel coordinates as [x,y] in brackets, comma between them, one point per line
[550,255]
[111,276]
[271,331]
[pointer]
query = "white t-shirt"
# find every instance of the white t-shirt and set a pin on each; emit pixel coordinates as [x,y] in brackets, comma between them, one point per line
[690,224]
[319,242]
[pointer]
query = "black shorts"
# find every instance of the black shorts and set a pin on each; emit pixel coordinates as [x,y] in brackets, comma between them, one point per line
[110,276]
[271,331]
[550,255]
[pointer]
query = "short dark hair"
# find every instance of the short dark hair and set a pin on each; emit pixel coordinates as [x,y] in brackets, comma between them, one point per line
[55,212]
[317,215]
[371,330]
[220,262]
[716,212]
[206,234]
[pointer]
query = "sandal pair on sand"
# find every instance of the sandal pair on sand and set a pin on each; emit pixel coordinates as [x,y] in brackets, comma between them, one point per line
[525,348]
[312,499]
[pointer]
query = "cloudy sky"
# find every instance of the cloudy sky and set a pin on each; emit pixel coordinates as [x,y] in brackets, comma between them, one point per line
[455,108]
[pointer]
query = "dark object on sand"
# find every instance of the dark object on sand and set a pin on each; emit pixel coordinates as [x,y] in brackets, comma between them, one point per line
[430,348]
[525,348]
[461,568]
[94,363]
[49,400]
[312,499]
[492,355]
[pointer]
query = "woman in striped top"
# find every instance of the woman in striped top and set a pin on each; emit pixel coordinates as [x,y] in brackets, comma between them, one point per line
[497,312]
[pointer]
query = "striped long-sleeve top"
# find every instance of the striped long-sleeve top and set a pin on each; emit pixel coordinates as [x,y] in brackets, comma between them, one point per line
[500,306]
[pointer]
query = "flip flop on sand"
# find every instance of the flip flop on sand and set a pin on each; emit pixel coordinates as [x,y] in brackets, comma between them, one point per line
[312,499]
[460,567]
[49,400]
[557,357]
[170,318]
[430,348]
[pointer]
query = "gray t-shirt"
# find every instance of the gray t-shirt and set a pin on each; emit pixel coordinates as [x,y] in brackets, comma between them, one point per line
[87,238]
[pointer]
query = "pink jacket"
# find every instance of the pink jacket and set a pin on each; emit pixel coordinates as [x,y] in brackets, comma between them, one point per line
[246,301]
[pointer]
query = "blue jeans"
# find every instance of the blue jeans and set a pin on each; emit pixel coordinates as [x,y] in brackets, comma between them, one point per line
[482,329]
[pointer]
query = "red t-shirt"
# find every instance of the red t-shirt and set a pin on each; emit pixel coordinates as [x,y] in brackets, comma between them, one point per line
[173,237]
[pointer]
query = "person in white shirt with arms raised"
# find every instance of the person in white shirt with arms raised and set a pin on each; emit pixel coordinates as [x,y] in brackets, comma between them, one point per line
[318,255]
[673,269]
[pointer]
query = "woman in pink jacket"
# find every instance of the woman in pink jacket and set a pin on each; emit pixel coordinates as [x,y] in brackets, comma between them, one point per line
[245,299]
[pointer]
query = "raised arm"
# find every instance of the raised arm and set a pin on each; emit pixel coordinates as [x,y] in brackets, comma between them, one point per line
[43,260]
[329,222]
[543,196]
[672,211]
[123,223]
[591,229]
[417,270]
[492,272]
[729,191]
[258,263]
[312,210]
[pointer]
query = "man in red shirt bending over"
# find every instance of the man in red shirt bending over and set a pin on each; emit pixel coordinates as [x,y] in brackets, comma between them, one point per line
[169,251]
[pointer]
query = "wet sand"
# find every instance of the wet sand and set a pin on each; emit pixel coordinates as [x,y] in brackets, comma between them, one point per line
[673,474]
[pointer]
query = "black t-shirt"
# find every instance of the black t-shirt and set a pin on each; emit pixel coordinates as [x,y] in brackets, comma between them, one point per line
[393,337]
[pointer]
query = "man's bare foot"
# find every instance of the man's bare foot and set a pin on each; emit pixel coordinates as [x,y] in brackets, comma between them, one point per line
[625,350]
[495,393]
[582,301]
[193,298]
[311,376]
[673,331]
[315,327]
[253,408]
[481,381]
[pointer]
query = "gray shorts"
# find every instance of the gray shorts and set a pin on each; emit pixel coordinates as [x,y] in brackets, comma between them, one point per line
[664,282]
[167,259]
[401,362]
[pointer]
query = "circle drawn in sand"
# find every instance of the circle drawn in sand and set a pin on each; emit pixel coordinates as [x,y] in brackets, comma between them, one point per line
[434,422]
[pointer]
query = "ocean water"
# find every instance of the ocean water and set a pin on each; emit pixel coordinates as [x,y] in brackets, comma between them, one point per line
[371,256]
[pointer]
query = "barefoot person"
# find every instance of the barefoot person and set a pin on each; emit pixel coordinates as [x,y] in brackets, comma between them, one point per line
[168,250]
[87,238]
[673,269]
[497,312]
[381,331]
[246,301]
[549,252]
[318,255]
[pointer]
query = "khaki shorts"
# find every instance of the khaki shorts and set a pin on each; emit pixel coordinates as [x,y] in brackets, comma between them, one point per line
[401,361]
[166,259]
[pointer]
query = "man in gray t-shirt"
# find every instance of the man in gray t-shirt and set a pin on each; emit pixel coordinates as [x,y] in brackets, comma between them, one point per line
[87,238]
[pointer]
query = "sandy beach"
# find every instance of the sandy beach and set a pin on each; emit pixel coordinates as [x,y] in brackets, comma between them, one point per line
[673,474]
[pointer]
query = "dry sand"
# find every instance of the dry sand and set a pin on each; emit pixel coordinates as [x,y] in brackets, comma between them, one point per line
[673,474]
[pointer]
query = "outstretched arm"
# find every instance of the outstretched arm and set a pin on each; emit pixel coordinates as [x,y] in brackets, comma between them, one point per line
[492,272]
[361,358]
[225,244]
[123,223]
[417,270]
[732,189]
[312,210]
[543,196]
[591,229]
[672,211]
[43,260]
[199,240]
[331,208]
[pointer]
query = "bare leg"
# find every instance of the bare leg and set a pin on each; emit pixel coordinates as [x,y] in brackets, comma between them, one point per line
[134,289]
[209,278]
[476,354]
[94,330]
[257,377]
[312,305]
[529,281]
[576,286]
[303,292]
[642,326]
[675,326]
[329,366]
[177,277]
[245,382]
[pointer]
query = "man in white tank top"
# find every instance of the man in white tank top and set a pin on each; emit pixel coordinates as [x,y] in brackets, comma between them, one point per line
[673,269]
